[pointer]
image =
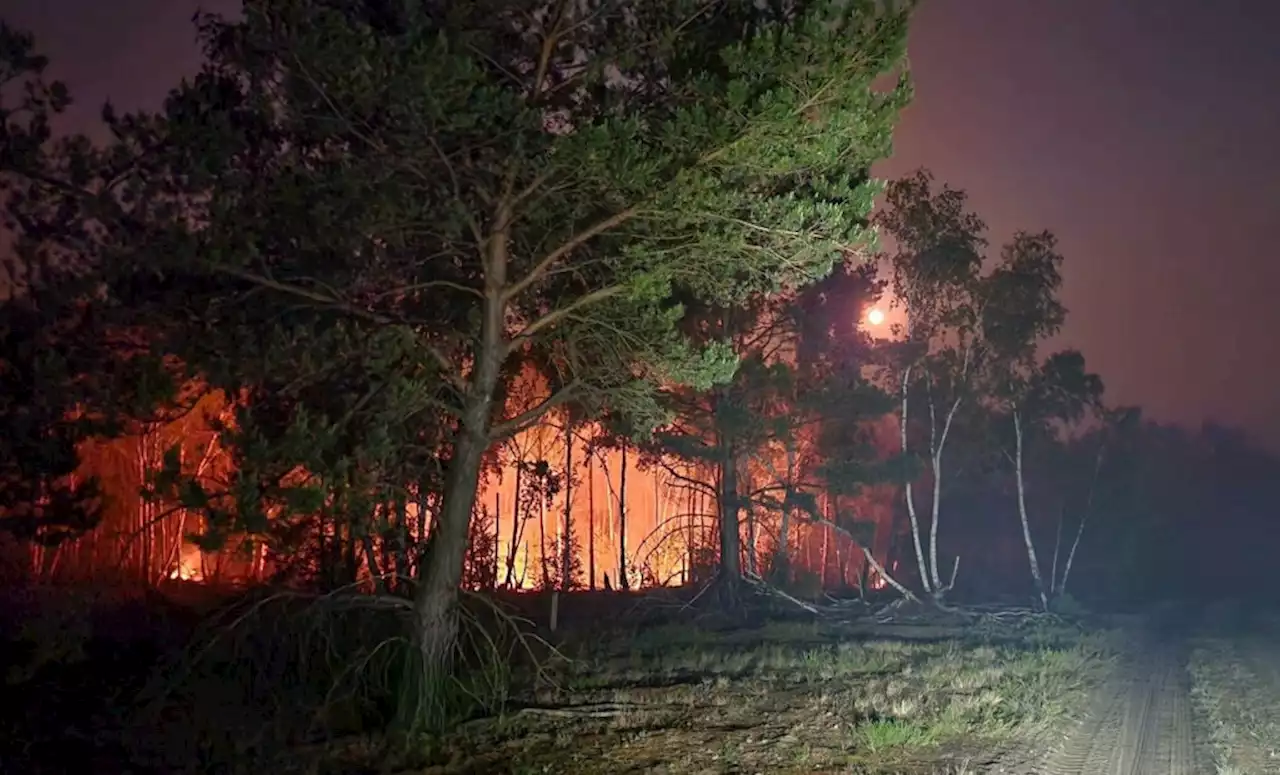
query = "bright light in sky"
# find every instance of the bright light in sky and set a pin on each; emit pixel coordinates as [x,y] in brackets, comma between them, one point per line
[875,316]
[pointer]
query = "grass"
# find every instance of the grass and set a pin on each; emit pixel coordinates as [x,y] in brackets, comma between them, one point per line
[787,698]
[1236,689]
[780,697]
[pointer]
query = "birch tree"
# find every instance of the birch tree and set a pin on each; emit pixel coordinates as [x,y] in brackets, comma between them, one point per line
[1036,398]
[936,258]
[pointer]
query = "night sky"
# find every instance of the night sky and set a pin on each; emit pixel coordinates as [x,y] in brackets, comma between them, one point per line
[1145,133]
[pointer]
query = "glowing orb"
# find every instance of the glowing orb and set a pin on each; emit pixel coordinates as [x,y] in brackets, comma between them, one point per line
[875,317]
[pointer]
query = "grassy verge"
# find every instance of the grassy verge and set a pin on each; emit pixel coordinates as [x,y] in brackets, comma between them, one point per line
[1240,700]
[786,698]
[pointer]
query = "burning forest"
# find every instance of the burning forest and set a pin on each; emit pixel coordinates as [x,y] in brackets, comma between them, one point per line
[614,513]
[395,315]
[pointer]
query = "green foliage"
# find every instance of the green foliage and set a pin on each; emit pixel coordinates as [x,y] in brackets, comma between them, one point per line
[937,256]
[66,372]
[936,261]
[1021,309]
[326,221]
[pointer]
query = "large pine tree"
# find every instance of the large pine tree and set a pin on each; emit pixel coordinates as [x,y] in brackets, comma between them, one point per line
[359,214]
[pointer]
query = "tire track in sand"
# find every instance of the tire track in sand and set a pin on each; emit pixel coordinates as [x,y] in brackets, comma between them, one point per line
[1140,724]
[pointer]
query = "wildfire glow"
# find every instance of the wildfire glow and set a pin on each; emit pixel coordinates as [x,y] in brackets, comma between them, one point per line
[875,316]
[661,520]
[188,568]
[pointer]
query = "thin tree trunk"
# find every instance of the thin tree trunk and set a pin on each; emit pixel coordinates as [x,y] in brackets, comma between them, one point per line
[1057,546]
[911,503]
[497,537]
[1088,509]
[370,558]
[1022,513]
[398,543]
[1071,556]
[353,556]
[657,510]
[420,540]
[515,525]
[935,461]
[730,537]
[623,583]
[822,576]
[387,543]
[935,456]
[546,581]
[691,537]
[591,521]
[782,556]
[566,561]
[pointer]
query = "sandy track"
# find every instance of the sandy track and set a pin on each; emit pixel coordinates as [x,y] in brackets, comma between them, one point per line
[1140,724]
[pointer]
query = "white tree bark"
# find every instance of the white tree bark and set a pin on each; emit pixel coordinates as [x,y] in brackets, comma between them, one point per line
[884,574]
[1057,551]
[1088,508]
[911,504]
[936,455]
[1022,512]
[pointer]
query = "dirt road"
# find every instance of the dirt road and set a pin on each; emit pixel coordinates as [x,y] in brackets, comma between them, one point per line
[1140,724]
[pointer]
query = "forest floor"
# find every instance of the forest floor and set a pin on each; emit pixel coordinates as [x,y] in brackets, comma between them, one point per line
[800,697]
[1180,691]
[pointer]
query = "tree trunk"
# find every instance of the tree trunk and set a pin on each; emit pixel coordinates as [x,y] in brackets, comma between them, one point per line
[1022,513]
[546,582]
[591,521]
[566,557]
[730,537]
[497,537]
[911,503]
[515,526]
[1057,549]
[623,583]
[420,540]
[1084,518]
[435,599]
[935,462]
[782,555]
[822,574]
[691,537]
[937,444]
[371,559]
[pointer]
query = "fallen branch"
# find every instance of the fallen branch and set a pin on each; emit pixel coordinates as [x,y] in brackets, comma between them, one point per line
[706,585]
[884,574]
[596,710]
[761,584]
[890,580]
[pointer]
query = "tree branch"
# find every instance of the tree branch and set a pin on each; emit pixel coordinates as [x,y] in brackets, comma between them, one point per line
[696,484]
[529,417]
[556,315]
[871,560]
[573,243]
[451,375]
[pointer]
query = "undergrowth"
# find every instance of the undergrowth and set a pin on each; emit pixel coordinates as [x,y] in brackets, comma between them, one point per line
[275,673]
